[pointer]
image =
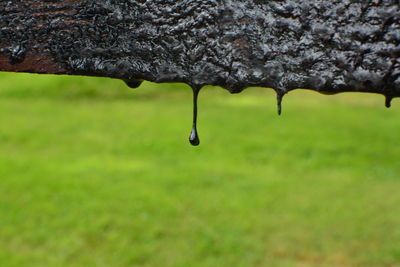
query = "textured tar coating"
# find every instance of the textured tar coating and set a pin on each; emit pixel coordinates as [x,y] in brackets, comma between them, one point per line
[327,46]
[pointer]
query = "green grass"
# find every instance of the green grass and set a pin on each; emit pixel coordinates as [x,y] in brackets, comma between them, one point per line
[95,174]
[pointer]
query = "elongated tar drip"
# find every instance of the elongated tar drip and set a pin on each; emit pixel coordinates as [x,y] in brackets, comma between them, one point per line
[388,101]
[194,136]
[279,98]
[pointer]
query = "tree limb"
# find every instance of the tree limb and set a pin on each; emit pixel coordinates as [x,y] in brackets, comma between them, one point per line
[327,46]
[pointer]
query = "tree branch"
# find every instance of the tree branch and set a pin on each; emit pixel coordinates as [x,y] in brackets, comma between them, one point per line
[326,46]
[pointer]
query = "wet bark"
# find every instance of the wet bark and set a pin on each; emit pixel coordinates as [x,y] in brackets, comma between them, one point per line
[327,46]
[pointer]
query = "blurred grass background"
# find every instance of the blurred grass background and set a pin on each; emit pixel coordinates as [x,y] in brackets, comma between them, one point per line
[95,174]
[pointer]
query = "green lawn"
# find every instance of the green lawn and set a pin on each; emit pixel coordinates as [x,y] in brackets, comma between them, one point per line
[95,174]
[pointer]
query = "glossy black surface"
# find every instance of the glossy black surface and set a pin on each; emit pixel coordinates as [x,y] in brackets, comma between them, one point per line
[194,138]
[327,46]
